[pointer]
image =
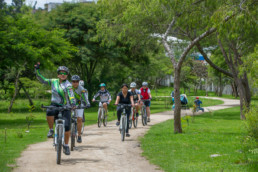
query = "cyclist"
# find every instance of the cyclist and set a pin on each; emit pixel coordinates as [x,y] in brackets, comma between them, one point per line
[198,103]
[81,96]
[104,96]
[136,97]
[145,95]
[124,97]
[62,94]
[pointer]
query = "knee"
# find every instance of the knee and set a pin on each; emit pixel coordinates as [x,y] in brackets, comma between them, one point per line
[79,119]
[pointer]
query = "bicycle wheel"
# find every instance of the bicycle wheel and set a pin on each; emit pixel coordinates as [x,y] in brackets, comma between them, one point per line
[99,118]
[135,121]
[59,143]
[143,117]
[105,118]
[123,128]
[72,136]
[83,120]
[131,120]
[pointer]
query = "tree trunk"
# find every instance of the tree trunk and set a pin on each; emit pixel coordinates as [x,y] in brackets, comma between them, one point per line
[220,85]
[27,94]
[16,84]
[177,112]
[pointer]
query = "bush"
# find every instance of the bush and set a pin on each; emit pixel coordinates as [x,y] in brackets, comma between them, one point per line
[250,142]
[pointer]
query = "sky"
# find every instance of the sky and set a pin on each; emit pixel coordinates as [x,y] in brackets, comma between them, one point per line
[40,3]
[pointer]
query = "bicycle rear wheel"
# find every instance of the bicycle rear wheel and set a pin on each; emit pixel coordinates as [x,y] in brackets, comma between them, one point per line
[123,128]
[131,119]
[59,144]
[99,118]
[105,118]
[73,136]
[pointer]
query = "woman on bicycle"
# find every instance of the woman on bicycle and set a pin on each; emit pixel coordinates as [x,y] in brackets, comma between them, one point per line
[81,96]
[62,94]
[124,97]
[136,97]
[104,95]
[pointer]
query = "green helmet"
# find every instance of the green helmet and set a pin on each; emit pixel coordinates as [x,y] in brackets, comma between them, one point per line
[102,85]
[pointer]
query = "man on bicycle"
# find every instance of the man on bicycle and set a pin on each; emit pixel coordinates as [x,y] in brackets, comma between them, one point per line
[146,95]
[136,97]
[62,94]
[104,96]
[81,96]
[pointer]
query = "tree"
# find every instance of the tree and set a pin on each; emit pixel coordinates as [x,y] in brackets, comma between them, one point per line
[139,21]
[236,40]
[24,43]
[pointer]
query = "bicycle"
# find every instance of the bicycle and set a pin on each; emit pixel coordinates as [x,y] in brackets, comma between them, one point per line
[123,120]
[59,130]
[102,114]
[133,118]
[144,112]
[74,127]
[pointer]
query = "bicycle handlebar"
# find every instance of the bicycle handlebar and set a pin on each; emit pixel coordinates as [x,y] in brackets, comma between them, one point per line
[62,108]
[121,104]
[144,100]
[101,101]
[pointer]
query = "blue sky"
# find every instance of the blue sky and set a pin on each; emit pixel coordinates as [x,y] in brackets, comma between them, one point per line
[40,3]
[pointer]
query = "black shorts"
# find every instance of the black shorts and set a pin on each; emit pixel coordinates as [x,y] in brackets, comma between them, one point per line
[66,116]
[147,103]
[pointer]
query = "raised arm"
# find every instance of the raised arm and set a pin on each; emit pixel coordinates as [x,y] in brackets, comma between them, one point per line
[40,77]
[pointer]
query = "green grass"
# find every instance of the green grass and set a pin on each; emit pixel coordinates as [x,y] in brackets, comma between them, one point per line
[220,133]
[16,125]
[166,91]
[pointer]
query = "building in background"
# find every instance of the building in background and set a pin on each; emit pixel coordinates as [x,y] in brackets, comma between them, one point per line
[52,5]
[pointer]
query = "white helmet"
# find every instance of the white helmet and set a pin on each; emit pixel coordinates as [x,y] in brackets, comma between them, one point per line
[145,84]
[133,85]
[81,83]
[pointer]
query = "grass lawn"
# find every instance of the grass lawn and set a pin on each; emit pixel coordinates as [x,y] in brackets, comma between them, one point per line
[16,125]
[221,133]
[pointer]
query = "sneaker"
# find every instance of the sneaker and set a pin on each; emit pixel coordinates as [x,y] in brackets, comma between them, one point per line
[127,135]
[79,139]
[50,133]
[148,120]
[66,150]
[117,123]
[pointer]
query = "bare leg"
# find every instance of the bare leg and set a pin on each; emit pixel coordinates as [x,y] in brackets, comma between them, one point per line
[79,126]
[50,121]
[148,111]
[105,106]
[67,136]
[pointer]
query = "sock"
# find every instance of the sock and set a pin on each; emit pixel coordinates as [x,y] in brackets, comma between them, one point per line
[66,145]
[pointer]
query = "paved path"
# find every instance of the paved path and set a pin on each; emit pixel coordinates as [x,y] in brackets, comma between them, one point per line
[101,149]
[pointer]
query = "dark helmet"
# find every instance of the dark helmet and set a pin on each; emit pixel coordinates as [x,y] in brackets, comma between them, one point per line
[62,68]
[75,78]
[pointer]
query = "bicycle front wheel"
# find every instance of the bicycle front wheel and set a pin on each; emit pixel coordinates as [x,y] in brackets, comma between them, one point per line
[105,118]
[99,118]
[123,128]
[73,136]
[143,117]
[135,121]
[59,143]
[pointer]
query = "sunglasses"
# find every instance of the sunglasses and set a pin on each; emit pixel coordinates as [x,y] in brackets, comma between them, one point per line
[62,73]
[75,81]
